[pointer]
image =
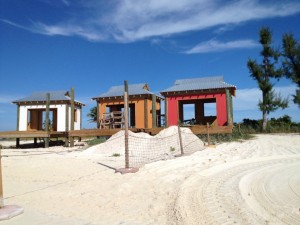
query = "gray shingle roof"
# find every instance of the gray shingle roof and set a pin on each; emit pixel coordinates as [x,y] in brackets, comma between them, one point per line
[41,97]
[199,84]
[133,89]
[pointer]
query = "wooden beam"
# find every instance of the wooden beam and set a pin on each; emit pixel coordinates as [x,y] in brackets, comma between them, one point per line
[146,112]
[1,187]
[67,125]
[98,116]
[18,117]
[166,112]
[47,121]
[153,110]
[72,116]
[228,107]
[126,108]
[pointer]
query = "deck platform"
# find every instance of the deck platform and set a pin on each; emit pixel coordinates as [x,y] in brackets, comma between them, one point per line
[196,129]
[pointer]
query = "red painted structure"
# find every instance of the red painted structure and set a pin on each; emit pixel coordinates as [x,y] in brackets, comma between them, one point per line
[207,90]
[173,106]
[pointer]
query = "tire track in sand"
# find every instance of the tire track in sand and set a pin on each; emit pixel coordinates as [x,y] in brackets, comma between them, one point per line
[240,193]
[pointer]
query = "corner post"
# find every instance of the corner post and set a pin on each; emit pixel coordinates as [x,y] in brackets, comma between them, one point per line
[146,112]
[153,111]
[18,126]
[166,112]
[228,108]
[47,119]
[126,123]
[67,126]
[72,116]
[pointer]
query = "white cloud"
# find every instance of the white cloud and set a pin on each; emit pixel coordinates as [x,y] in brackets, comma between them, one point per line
[131,20]
[245,104]
[216,46]
[66,2]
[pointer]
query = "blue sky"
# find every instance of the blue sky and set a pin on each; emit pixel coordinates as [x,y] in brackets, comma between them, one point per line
[92,45]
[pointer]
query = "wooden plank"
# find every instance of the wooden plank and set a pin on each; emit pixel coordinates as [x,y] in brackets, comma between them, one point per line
[24,134]
[126,108]
[47,122]
[72,116]
[107,132]
[18,117]
[146,112]
[153,110]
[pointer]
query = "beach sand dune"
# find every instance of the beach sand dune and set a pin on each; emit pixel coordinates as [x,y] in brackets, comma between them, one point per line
[250,182]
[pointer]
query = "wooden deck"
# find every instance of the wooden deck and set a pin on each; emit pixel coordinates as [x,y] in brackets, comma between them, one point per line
[32,134]
[107,132]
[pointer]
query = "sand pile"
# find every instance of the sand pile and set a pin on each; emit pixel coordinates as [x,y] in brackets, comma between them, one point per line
[144,148]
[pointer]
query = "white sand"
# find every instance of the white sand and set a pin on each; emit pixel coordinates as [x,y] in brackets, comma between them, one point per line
[251,182]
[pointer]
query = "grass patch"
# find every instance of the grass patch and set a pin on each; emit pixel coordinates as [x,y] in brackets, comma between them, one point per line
[116,155]
[236,135]
[172,149]
[95,141]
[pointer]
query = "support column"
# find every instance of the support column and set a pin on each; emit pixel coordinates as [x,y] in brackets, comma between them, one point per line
[146,112]
[47,119]
[80,111]
[126,123]
[166,112]
[153,111]
[72,117]
[18,126]
[228,108]
[98,116]
[18,118]
[67,126]
[35,142]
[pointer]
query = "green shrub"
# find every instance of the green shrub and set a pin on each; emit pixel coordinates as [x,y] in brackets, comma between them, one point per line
[95,141]
[172,149]
[116,154]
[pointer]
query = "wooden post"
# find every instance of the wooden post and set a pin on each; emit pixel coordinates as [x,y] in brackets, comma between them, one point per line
[18,126]
[153,110]
[47,121]
[1,187]
[35,142]
[126,123]
[80,111]
[18,118]
[228,106]
[180,140]
[208,138]
[166,112]
[72,116]
[146,112]
[17,142]
[67,126]
[98,116]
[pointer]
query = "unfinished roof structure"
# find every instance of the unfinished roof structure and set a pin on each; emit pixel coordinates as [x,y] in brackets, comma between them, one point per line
[144,105]
[199,101]
[31,111]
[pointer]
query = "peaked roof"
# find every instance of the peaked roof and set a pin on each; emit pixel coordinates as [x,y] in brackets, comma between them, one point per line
[41,97]
[133,89]
[204,83]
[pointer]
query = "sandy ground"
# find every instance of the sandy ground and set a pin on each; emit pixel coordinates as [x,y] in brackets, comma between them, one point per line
[250,182]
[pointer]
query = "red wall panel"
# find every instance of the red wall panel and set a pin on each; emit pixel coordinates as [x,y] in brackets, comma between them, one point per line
[220,104]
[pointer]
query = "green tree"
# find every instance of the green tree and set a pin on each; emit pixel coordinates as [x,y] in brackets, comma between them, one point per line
[93,114]
[291,62]
[263,73]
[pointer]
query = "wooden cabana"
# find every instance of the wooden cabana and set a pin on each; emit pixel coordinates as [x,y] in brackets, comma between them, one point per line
[31,113]
[205,100]
[144,107]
